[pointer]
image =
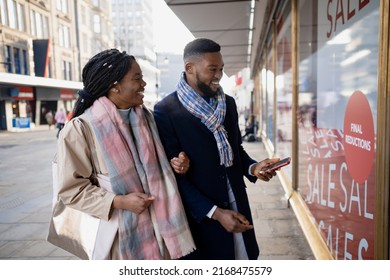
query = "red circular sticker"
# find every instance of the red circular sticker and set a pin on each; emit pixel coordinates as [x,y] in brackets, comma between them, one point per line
[359,137]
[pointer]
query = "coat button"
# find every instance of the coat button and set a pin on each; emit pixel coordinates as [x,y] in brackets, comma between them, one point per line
[225,204]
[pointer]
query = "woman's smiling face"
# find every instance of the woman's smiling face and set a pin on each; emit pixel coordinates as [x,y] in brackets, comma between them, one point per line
[129,92]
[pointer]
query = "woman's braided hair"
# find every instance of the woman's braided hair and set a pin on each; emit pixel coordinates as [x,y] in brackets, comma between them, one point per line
[101,73]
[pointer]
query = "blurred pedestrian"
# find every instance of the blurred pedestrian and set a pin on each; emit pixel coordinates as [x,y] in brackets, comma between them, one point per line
[49,118]
[250,129]
[60,118]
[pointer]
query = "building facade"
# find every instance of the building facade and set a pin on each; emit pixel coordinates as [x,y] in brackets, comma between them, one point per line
[171,66]
[133,32]
[51,39]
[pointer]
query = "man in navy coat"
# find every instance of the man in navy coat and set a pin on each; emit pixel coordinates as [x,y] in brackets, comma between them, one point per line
[201,120]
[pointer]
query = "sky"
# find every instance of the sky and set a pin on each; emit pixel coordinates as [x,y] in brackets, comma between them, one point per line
[170,34]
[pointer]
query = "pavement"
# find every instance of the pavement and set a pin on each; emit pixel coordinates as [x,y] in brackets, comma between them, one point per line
[26,195]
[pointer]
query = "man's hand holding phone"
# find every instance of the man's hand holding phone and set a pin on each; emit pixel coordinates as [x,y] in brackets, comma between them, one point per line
[266,169]
[277,165]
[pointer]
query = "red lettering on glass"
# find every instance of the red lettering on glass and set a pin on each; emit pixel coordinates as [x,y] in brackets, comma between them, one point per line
[339,13]
[350,13]
[338,241]
[363,3]
[329,33]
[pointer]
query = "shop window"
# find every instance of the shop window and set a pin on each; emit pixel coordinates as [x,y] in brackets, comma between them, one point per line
[15,109]
[283,84]
[21,109]
[338,64]
[263,98]
[270,90]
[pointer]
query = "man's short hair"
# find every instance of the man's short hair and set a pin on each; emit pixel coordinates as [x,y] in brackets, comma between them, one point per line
[199,47]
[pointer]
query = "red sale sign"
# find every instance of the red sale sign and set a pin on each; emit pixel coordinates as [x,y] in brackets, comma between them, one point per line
[359,138]
[337,180]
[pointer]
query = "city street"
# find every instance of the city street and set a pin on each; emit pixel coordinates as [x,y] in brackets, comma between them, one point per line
[26,196]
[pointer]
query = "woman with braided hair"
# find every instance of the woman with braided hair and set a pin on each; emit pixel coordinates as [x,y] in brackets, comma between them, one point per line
[151,220]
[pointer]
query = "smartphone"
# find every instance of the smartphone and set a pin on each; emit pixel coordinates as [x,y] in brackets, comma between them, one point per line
[279,164]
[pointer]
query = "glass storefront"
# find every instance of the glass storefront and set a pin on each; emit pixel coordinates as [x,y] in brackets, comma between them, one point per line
[283,83]
[338,52]
[22,106]
[270,90]
[336,118]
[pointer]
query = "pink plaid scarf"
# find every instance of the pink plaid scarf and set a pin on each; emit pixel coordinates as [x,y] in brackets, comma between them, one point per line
[136,162]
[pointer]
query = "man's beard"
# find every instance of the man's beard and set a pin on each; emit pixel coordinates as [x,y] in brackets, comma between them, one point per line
[206,90]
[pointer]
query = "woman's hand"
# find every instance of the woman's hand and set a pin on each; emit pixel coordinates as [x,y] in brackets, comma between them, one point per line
[134,202]
[181,163]
[259,170]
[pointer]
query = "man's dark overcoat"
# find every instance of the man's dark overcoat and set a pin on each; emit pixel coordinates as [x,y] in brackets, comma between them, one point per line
[205,183]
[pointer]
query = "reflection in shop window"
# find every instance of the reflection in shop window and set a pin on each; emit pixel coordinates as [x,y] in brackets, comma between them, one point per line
[283,84]
[270,92]
[338,55]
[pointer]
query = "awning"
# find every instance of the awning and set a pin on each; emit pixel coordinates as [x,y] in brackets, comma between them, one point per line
[67,94]
[227,22]
[26,80]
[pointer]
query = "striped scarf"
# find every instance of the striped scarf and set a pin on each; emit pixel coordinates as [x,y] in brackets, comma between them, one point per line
[211,115]
[136,162]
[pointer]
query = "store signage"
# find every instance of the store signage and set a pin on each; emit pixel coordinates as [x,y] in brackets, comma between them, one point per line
[21,93]
[338,168]
[359,137]
[343,207]
[66,94]
[340,12]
